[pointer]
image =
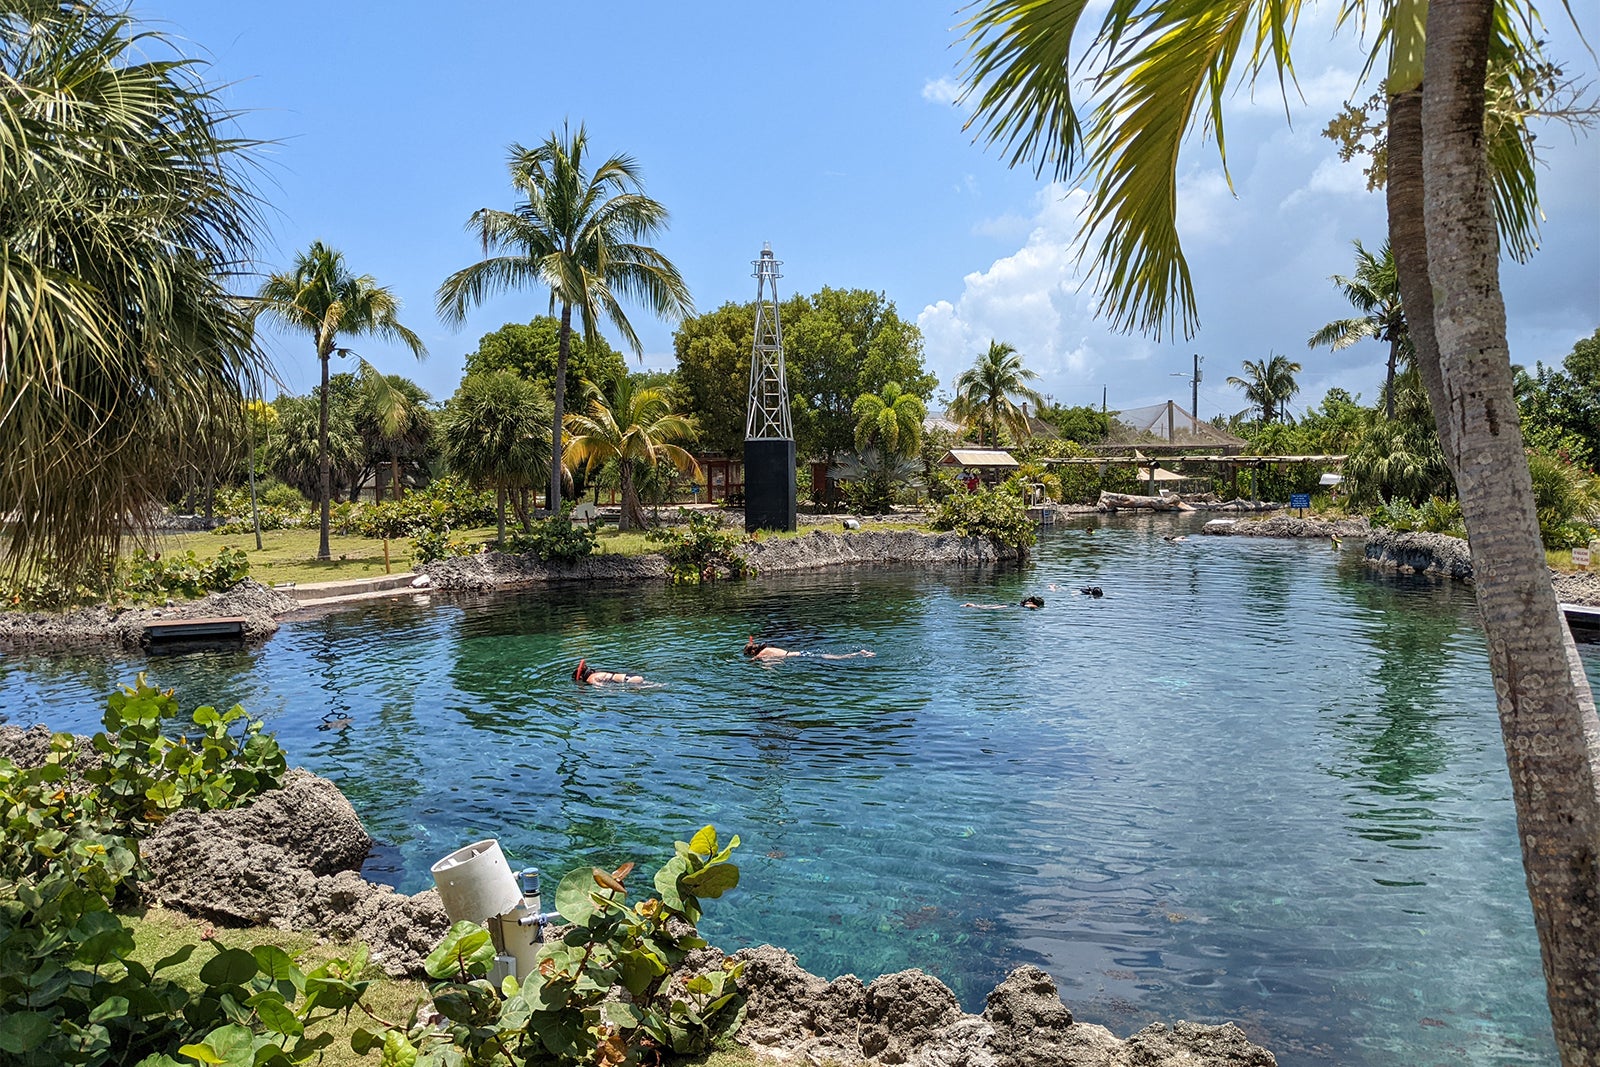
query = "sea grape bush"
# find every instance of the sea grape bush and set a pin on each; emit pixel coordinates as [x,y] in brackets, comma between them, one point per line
[698,549]
[607,991]
[996,513]
[555,540]
[70,993]
[140,579]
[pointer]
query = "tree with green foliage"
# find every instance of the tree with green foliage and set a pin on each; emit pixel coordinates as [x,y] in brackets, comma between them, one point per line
[1454,169]
[296,454]
[890,421]
[126,215]
[1374,291]
[395,419]
[1561,407]
[838,344]
[1083,423]
[579,234]
[320,296]
[1269,385]
[634,427]
[533,349]
[985,390]
[493,433]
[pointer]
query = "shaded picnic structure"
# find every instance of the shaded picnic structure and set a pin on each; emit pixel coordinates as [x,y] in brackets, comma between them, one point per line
[989,465]
[1171,450]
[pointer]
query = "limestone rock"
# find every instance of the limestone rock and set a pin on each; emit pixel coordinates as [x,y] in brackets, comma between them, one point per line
[1421,552]
[1190,1043]
[903,1012]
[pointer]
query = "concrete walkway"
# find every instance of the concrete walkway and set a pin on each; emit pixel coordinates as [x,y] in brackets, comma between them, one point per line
[312,594]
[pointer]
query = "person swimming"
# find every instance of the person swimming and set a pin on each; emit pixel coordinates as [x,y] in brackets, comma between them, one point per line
[587,675]
[754,649]
[1030,603]
[1092,590]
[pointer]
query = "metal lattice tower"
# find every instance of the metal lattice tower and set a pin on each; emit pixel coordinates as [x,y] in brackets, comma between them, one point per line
[768,418]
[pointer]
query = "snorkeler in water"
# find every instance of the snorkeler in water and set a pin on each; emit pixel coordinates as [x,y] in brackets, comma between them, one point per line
[754,649]
[587,675]
[1029,603]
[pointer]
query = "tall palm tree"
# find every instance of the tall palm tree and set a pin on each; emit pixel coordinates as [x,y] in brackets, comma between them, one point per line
[1269,385]
[890,421]
[320,296]
[1159,68]
[125,210]
[493,431]
[636,426]
[578,233]
[1374,291]
[985,391]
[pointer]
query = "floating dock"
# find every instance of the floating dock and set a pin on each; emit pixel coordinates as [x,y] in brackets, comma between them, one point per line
[1583,620]
[212,628]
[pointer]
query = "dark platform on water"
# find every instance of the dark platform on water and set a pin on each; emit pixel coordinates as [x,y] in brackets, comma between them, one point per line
[1583,620]
[213,628]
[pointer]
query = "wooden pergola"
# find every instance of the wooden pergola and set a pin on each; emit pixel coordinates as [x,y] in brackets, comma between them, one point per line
[1221,464]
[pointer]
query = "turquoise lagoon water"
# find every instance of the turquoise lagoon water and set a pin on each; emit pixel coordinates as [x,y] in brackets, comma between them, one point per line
[1256,781]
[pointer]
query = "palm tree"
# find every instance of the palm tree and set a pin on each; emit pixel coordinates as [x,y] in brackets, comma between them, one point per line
[493,431]
[636,426]
[579,234]
[985,389]
[320,296]
[1374,290]
[1269,385]
[890,421]
[126,210]
[394,418]
[1167,66]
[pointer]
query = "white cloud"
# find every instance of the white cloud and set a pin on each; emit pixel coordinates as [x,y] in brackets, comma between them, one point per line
[1031,299]
[941,91]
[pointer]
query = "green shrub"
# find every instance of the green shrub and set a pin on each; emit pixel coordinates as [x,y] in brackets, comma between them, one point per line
[698,549]
[555,540]
[569,1011]
[430,547]
[141,578]
[996,513]
[68,991]
[1567,499]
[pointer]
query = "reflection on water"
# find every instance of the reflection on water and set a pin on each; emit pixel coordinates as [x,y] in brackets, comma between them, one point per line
[1253,781]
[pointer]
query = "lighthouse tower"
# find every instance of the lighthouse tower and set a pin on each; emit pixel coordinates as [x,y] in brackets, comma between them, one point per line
[769,473]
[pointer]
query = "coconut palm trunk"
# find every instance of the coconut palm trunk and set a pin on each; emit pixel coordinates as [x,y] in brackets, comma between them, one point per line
[1546,709]
[324,461]
[558,392]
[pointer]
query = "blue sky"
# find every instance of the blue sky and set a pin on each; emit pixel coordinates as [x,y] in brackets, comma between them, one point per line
[828,130]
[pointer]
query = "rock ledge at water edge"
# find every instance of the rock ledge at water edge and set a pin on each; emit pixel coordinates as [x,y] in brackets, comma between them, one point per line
[254,602]
[814,551]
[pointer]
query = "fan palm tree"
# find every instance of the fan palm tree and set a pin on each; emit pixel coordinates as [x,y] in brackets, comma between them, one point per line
[636,426]
[1269,385]
[985,390]
[126,209]
[1158,69]
[1374,291]
[319,295]
[493,431]
[395,420]
[578,233]
[890,421]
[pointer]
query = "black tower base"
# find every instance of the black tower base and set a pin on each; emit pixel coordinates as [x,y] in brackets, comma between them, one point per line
[769,488]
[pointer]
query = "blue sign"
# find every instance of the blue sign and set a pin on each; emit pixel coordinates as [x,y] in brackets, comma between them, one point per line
[1300,500]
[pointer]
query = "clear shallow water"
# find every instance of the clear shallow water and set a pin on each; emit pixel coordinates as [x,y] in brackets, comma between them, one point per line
[1256,781]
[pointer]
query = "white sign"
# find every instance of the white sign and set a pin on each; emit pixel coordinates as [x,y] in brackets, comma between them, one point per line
[1580,558]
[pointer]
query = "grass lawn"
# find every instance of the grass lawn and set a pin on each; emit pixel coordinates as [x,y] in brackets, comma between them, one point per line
[158,932]
[291,555]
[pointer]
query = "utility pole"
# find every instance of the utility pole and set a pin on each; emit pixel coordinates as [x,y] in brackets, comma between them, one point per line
[1194,383]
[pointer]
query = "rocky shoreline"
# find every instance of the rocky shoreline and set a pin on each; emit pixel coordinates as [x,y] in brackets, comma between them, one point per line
[817,550]
[258,605]
[1408,552]
[291,859]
